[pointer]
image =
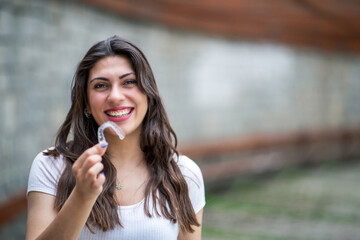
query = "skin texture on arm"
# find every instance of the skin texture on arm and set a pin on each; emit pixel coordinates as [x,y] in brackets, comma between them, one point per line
[67,224]
[40,213]
[45,223]
[196,235]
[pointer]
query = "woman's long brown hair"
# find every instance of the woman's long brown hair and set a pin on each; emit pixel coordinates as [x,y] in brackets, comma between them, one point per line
[167,186]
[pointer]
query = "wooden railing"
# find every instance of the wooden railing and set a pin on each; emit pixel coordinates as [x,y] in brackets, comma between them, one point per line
[230,157]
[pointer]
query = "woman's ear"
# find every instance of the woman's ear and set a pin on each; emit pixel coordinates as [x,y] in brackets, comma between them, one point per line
[87,113]
[88,108]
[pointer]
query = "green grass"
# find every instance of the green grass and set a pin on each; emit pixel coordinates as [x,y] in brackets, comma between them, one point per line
[218,233]
[268,210]
[326,196]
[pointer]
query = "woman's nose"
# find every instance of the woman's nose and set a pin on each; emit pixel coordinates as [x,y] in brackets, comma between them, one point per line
[116,94]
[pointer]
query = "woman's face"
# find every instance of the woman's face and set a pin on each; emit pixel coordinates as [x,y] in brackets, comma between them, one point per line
[114,95]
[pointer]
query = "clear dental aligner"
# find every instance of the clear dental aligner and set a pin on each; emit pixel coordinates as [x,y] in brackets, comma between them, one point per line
[117,129]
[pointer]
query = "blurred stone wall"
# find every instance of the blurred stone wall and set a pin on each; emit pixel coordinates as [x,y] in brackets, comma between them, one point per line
[212,88]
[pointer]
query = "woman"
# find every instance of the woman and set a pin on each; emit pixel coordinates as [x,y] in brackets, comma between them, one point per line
[136,188]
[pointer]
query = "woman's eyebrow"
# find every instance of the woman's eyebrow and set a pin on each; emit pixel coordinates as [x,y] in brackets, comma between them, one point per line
[98,78]
[105,79]
[125,75]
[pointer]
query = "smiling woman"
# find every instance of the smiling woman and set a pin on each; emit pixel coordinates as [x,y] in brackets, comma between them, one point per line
[135,188]
[113,94]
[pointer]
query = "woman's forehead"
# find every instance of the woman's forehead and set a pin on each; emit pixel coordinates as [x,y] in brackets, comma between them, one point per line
[111,64]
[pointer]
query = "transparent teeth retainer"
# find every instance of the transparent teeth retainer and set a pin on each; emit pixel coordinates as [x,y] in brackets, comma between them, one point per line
[116,128]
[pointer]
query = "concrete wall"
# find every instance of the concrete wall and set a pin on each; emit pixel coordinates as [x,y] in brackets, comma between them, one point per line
[212,88]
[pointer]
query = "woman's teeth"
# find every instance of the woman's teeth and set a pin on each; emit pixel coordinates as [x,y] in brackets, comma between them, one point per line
[120,113]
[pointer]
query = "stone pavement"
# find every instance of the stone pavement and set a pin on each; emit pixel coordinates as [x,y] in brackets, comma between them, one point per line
[306,203]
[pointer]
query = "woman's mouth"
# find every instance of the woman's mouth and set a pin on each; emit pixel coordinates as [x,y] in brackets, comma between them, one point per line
[119,114]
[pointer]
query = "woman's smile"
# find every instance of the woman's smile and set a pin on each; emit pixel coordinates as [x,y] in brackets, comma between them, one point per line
[119,114]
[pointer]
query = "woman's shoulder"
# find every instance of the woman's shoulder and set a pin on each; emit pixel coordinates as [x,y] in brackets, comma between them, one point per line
[45,172]
[47,160]
[190,169]
[48,153]
[187,163]
[194,178]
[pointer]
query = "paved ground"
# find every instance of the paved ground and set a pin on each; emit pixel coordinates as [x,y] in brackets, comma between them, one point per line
[317,203]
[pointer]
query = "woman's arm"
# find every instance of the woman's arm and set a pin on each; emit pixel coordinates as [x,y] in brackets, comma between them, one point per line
[45,223]
[196,235]
[40,213]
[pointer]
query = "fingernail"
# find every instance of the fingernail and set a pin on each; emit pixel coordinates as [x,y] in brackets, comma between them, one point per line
[104,144]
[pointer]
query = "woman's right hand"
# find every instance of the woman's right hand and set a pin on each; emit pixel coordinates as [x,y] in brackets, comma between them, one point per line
[87,170]
[44,222]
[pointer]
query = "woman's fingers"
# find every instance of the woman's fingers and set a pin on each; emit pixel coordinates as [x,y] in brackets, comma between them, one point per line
[87,170]
[97,177]
[99,181]
[90,161]
[98,149]
[93,172]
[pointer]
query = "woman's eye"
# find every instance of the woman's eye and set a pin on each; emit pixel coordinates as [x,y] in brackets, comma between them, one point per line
[99,85]
[130,82]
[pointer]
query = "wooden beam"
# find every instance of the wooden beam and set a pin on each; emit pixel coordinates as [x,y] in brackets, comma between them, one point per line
[254,142]
[330,25]
[13,207]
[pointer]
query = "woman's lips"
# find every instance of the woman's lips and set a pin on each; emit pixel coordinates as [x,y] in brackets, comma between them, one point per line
[117,115]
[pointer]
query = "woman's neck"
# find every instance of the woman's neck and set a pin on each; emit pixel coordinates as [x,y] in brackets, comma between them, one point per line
[125,154]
